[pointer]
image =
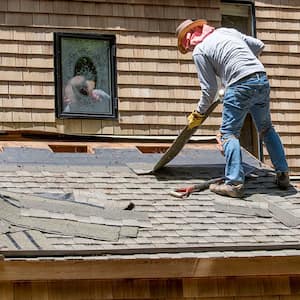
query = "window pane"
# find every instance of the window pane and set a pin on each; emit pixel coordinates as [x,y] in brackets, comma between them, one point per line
[237,16]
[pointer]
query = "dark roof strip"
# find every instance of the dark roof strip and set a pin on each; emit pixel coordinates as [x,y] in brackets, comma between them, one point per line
[123,252]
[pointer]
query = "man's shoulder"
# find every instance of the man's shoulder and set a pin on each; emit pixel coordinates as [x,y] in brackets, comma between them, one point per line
[227,30]
[221,34]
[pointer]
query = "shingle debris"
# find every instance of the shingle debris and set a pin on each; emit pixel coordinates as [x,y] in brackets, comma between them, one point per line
[69,218]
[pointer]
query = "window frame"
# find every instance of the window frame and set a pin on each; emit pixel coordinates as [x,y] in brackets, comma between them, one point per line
[58,76]
[252,12]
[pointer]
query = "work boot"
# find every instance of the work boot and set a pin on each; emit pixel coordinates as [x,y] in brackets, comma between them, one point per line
[283,180]
[234,191]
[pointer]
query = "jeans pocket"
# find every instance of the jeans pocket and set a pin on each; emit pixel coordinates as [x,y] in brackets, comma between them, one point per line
[238,96]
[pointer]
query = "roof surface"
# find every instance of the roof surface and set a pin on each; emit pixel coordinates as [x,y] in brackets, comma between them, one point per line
[98,202]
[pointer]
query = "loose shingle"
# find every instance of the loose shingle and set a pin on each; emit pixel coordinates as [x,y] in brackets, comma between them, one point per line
[13,215]
[242,207]
[4,227]
[45,205]
[129,231]
[24,241]
[284,214]
[39,239]
[6,243]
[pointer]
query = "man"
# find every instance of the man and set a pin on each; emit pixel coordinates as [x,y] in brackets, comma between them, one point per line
[232,56]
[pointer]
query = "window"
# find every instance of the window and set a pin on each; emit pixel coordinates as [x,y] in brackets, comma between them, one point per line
[238,15]
[85,76]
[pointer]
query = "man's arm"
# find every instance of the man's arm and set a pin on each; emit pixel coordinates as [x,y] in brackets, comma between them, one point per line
[255,45]
[208,82]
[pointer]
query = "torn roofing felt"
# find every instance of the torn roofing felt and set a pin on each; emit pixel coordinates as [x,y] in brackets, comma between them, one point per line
[78,206]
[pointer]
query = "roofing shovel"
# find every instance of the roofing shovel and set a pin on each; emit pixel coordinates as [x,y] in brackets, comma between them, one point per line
[184,137]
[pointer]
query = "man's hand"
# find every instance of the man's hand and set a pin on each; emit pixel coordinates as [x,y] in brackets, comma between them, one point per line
[195,119]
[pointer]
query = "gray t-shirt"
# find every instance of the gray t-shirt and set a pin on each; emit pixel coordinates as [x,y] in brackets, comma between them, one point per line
[227,54]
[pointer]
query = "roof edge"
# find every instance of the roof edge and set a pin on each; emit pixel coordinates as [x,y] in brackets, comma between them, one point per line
[33,254]
[74,269]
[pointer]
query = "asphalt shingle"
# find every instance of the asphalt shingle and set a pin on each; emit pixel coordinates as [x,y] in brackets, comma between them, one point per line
[83,208]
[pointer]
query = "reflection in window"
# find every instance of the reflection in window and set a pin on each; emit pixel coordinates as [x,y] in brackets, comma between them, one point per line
[85,67]
[82,93]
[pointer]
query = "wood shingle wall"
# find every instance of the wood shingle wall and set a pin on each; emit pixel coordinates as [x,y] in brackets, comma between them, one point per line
[234,288]
[278,26]
[157,86]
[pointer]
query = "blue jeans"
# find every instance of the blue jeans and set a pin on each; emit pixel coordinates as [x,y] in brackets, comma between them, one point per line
[249,95]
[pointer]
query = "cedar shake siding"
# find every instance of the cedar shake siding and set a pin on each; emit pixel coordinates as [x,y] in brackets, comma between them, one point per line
[157,87]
